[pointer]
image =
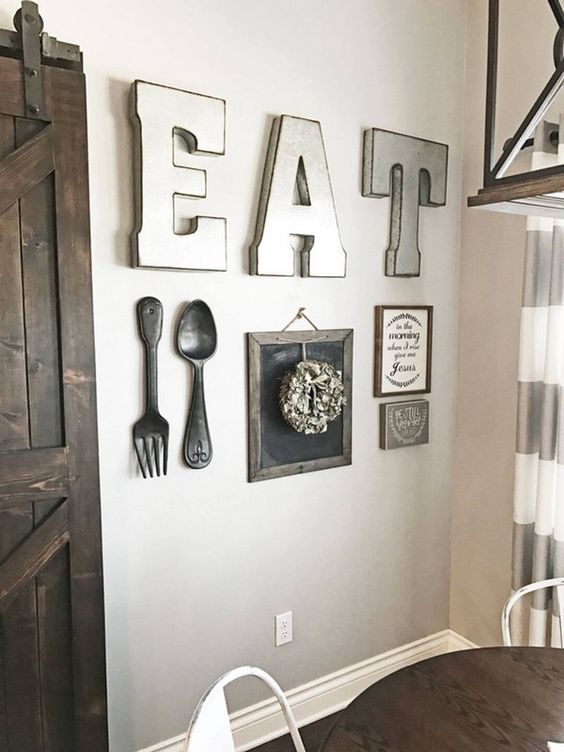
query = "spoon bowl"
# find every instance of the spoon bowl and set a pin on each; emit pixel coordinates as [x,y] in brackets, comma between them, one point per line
[197,342]
[197,335]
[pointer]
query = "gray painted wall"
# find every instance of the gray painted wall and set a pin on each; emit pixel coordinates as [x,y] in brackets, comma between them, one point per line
[490,296]
[198,564]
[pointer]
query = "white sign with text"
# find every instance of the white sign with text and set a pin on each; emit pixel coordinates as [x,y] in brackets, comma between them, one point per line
[403,350]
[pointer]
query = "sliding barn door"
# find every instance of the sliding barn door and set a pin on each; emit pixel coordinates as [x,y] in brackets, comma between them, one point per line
[52,664]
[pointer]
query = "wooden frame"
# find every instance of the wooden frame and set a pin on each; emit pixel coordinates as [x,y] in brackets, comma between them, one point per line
[265,426]
[380,350]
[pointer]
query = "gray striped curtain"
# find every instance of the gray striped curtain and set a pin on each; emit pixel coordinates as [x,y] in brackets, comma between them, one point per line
[538,535]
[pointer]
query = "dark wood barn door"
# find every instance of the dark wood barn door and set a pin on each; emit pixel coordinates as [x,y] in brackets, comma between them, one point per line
[52,663]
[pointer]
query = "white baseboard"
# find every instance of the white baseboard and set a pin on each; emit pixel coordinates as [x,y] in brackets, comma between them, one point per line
[262,722]
[458,642]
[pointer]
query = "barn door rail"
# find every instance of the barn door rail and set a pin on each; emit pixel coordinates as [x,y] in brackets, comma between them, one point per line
[35,47]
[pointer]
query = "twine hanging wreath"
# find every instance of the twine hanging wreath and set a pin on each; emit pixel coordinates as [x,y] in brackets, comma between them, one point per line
[311,396]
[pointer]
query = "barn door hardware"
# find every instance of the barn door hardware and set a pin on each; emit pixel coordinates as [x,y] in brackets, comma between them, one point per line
[30,24]
[35,47]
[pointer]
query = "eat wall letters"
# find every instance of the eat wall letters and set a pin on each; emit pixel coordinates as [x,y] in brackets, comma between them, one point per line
[165,120]
[413,172]
[296,204]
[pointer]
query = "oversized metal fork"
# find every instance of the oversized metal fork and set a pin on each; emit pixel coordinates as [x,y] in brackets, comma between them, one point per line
[150,433]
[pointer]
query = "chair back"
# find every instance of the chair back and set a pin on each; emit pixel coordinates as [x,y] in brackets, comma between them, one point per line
[210,729]
[555,582]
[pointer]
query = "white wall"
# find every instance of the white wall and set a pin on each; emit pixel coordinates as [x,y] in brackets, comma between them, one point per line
[491,269]
[198,563]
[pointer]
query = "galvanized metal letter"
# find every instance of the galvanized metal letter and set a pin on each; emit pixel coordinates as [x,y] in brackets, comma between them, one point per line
[163,117]
[296,202]
[414,173]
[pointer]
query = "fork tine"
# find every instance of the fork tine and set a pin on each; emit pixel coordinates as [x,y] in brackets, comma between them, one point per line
[137,443]
[165,452]
[148,456]
[157,451]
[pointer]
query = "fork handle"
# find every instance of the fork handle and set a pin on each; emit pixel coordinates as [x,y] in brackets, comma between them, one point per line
[150,314]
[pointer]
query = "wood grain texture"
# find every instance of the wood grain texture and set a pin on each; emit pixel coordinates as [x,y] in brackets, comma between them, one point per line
[38,254]
[484,700]
[68,103]
[14,429]
[30,474]
[20,660]
[12,88]
[3,694]
[55,652]
[22,672]
[52,660]
[26,167]
[32,554]
[538,185]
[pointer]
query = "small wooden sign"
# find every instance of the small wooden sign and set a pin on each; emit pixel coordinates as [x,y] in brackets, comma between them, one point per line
[404,424]
[403,347]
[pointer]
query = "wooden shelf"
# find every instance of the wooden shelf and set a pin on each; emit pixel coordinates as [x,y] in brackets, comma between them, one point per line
[539,196]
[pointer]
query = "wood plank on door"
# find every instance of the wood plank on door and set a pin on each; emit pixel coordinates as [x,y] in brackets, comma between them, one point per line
[55,645]
[14,428]
[19,642]
[40,303]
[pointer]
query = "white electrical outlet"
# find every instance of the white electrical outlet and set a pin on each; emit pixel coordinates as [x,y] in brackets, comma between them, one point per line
[283,628]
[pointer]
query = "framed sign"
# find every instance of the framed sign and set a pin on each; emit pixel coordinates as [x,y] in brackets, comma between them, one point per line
[275,448]
[404,339]
[404,424]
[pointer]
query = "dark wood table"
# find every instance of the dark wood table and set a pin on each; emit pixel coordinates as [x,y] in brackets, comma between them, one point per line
[482,700]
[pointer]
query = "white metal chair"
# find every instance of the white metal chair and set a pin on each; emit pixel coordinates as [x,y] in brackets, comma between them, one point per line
[554,582]
[210,730]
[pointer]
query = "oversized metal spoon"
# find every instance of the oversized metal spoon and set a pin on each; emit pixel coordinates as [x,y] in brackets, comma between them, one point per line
[197,341]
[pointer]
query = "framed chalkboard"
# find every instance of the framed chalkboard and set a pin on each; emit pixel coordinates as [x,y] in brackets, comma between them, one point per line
[275,448]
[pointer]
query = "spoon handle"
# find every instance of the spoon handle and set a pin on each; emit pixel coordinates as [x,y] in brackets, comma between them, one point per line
[198,451]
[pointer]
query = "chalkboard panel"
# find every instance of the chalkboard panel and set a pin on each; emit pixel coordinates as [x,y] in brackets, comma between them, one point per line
[275,448]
